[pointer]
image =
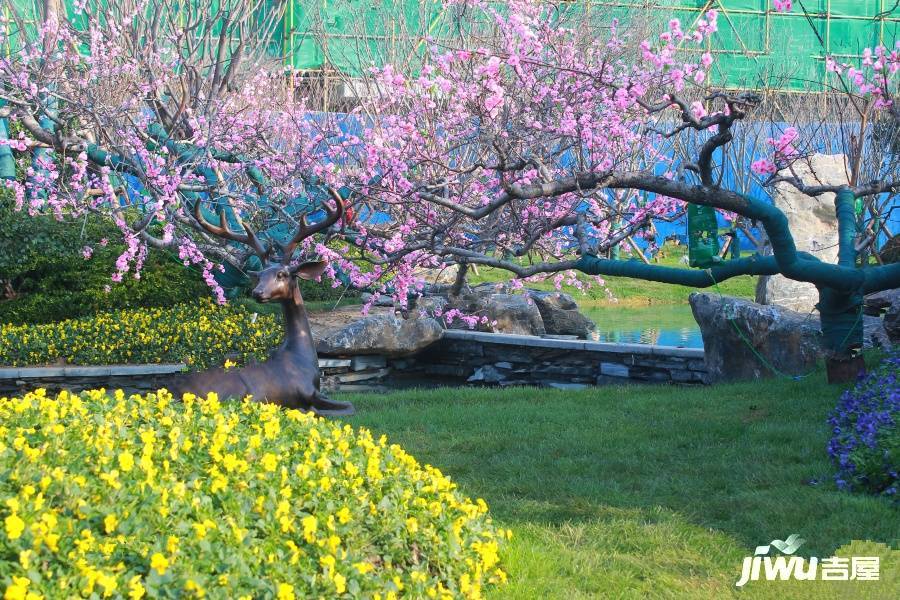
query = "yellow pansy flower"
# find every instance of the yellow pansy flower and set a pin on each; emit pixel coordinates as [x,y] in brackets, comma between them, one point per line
[110,522]
[14,526]
[286,592]
[159,563]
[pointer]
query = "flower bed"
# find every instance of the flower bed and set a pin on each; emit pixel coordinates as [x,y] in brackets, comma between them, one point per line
[198,334]
[865,446]
[143,497]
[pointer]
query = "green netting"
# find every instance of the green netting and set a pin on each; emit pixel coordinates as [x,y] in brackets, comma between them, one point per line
[754,46]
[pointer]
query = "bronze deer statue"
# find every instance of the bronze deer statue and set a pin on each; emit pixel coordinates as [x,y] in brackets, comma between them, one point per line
[290,376]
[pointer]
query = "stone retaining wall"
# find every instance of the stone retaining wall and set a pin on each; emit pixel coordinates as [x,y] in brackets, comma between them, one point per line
[459,357]
[131,378]
[477,358]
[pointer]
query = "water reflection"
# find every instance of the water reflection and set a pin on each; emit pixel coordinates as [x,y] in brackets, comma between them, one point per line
[661,325]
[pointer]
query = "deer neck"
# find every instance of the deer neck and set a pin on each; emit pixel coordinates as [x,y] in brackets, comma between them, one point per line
[297,335]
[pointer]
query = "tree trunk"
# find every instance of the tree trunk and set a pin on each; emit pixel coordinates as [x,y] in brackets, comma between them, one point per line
[844,370]
[841,312]
[460,281]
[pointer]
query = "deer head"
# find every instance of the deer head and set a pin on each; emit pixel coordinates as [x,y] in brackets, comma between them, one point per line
[278,279]
[278,282]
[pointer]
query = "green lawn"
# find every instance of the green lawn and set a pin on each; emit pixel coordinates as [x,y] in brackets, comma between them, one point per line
[631,292]
[635,492]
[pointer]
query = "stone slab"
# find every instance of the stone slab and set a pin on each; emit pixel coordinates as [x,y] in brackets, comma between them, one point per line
[334,363]
[614,370]
[373,361]
[362,375]
[89,371]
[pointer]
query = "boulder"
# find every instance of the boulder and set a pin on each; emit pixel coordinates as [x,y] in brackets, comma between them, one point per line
[533,313]
[508,313]
[382,300]
[880,302]
[887,302]
[505,312]
[875,334]
[787,339]
[429,306]
[442,275]
[552,300]
[813,224]
[385,334]
[892,323]
[560,314]
[473,299]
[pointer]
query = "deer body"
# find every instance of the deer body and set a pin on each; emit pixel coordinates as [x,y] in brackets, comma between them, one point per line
[290,376]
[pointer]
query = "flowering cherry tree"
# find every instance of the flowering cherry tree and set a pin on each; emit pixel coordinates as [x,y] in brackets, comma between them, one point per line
[523,140]
[518,149]
[171,120]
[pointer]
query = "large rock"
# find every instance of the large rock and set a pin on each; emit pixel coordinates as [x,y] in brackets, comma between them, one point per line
[887,302]
[444,275]
[508,313]
[875,334]
[786,339]
[814,227]
[892,323]
[880,302]
[385,334]
[505,312]
[560,314]
[533,313]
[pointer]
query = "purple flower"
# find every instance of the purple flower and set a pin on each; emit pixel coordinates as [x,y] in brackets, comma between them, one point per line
[865,438]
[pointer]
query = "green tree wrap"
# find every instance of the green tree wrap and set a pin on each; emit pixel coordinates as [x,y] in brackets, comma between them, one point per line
[752,265]
[841,320]
[843,208]
[7,162]
[841,312]
[800,266]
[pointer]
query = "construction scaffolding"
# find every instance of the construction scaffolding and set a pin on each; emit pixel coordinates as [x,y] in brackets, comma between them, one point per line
[756,46]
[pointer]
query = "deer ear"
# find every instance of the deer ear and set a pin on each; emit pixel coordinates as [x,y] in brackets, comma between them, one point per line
[310,270]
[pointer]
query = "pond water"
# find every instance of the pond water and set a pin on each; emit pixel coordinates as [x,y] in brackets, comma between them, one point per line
[664,325]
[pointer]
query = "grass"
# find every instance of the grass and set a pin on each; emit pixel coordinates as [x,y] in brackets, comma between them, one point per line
[636,492]
[631,292]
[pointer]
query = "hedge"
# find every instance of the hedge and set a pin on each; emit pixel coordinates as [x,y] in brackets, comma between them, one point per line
[44,276]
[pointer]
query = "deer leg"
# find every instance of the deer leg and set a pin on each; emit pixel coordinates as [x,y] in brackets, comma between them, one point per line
[322,405]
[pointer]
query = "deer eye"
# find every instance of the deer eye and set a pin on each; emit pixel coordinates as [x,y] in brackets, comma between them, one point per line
[281,275]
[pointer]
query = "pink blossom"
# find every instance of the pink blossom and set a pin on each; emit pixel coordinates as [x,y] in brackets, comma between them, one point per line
[698,110]
[763,166]
[782,5]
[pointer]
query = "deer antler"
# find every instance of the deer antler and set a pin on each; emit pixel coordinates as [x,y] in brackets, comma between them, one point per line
[304,230]
[223,231]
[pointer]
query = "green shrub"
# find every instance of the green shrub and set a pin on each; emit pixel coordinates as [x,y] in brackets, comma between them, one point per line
[200,334]
[108,496]
[41,262]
